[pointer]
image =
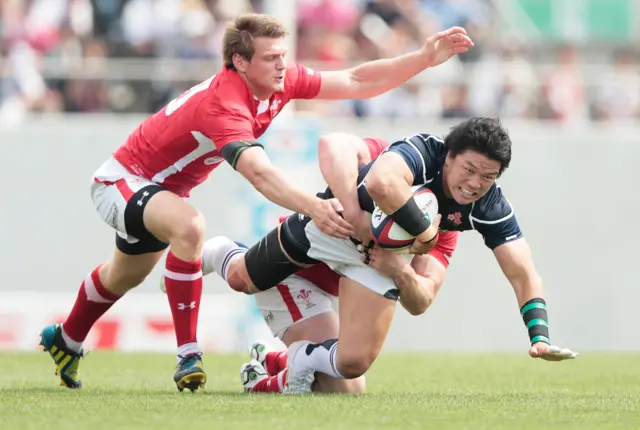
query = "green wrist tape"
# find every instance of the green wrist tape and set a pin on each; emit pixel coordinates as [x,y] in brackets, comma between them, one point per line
[534,315]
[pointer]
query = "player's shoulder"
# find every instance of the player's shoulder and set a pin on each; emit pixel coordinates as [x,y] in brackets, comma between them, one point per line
[425,143]
[426,150]
[295,71]
[298,77]
[492,207]
[228,94]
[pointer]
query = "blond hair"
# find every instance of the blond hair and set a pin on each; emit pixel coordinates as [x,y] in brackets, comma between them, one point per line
[239,35]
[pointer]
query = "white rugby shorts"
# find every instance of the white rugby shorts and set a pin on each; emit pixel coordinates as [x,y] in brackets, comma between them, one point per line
[292,301]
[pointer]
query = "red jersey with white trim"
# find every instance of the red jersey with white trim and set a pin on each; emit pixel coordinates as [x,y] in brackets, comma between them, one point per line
[180,145]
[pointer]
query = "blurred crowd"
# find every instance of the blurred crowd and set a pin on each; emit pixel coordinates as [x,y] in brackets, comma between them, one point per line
[114,56]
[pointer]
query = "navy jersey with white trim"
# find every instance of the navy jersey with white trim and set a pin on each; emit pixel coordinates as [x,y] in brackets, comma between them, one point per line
[492,215]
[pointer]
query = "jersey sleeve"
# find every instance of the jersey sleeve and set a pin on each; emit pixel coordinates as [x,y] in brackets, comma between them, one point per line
[446,245]
[495,219]
[302,82]
[376,146]
[226,125]
[420,152]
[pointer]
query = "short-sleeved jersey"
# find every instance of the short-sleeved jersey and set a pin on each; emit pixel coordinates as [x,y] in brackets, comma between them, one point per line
[375,145]
[180,145]
[327,280]
[320,274]
[491,215]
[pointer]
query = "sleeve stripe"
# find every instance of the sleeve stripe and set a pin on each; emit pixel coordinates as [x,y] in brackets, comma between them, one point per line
[424,167]
[492,222]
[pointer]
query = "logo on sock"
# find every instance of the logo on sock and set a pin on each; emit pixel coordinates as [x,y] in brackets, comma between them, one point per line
[182,306]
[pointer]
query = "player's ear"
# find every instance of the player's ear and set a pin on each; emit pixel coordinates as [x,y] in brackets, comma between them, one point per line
[240,63]
[449,159]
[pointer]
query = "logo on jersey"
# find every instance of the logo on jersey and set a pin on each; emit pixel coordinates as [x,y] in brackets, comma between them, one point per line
[305,296]
[213,160]
[275,107]
[455,218]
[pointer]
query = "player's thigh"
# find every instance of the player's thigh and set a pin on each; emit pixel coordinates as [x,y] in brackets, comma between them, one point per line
[365,318]
[316,329]
[171,219]
[296,308]
[121,203]
[272,260]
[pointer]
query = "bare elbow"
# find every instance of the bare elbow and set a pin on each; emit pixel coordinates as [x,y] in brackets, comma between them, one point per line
[379,187]
[325,143]
[416,310]
[419,307]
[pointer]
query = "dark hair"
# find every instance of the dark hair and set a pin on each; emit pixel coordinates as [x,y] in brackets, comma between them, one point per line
[485,136]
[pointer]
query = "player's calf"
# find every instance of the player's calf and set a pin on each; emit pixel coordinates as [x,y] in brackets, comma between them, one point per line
[329,385]
[170,219]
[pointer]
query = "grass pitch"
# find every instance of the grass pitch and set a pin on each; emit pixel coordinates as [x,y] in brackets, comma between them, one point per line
[421,391]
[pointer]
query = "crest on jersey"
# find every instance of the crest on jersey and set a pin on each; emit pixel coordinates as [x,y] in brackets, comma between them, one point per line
[275,107]
[455,218]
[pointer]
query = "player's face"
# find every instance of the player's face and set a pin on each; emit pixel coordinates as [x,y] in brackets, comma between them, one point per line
[267,67]
[468,176]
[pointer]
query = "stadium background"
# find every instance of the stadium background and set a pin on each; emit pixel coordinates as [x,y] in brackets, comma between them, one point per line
[78,75]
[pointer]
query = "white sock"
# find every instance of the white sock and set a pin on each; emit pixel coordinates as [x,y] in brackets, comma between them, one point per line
[217,253]
[322,357]
[71,344]
[187,349]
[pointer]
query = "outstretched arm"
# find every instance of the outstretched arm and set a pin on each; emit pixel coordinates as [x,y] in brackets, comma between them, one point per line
[516,262]
[376,77]
[253,163]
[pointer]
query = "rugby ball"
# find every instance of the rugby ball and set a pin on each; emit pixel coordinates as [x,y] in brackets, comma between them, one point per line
[387,234]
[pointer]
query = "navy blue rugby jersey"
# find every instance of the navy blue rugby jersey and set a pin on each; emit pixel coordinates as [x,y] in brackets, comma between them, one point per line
[492,215]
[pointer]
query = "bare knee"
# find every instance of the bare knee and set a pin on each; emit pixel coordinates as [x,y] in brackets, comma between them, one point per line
[353,364]
[330,138]
[189,233]
[237,276]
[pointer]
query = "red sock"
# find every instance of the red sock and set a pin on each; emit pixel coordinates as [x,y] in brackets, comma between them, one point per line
[273,384]
[92,302]
[183,281]
[275,362]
